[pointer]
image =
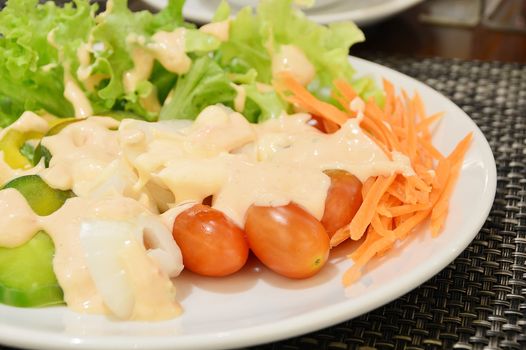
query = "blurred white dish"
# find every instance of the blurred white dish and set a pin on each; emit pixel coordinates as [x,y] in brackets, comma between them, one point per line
[317,4]
[362,12]
[256,306]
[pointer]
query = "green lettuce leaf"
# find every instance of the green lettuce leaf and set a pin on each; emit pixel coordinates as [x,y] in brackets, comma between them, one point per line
[204,85]
[255,36]
[265,105]
[30,68]
[112,33]
[326,47]
[245,47]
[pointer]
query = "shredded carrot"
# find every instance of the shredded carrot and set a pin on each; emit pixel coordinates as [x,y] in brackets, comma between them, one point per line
[423,126]
[365,214]
[346,91]
[393,206]
[302,97]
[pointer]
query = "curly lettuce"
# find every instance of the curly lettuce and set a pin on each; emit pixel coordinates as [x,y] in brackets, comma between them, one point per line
[43,45]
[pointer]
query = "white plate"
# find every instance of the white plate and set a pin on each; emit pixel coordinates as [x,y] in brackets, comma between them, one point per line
[362,12]
[257,306]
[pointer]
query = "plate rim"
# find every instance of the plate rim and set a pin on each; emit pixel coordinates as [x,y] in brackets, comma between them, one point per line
[291,326]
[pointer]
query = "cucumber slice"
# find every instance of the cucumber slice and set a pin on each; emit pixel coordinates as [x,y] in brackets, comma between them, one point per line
[26,274]
[60,125]
[41,151]
[11,143]
[28,151]
[43,199]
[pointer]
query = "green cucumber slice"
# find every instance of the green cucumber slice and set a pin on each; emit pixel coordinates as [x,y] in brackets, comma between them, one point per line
[26,274]
[11,144]
[43,199]
[41,151]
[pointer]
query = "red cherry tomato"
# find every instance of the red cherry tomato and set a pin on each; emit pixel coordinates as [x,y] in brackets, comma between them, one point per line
[211,244]
[287,239]
[343,200]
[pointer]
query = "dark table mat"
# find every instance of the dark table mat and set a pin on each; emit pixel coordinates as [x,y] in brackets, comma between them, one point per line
[478,301]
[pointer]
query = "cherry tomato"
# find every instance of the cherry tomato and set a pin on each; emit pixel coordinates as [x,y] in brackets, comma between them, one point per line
[343,200]
[211,244]
[287,239]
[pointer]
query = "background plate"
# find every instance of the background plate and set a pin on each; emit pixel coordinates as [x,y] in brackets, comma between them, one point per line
[256,306]
[362,12]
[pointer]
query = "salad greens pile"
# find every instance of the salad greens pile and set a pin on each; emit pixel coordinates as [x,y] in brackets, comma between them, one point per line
[39,45]
[43,47]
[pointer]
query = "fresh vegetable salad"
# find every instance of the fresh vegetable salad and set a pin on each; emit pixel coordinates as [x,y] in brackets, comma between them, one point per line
[136,145]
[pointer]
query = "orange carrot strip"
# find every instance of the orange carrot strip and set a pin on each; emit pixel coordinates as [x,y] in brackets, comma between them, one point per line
[431,149]
[389,97]
[418,183]
[340,236]
[439,212]
[379,227]
[442,173]
[366,186]
[369,125]
[408,209]
[363,217]
[462,147]
[345,89]
[371,237]
[351,275]
[419,107]
[302,96]
[409,224]
[423,126]
[411,131]
[397,192]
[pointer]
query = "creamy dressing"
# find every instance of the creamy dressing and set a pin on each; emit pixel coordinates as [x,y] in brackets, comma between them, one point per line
[114,250]
[220,30]
[84,72]
[153,293]
[240,99]
[291,59]
[7,173]
[151,102]
[18,222]
[241,164]
[142,68]
[27,122]
[48,67]
[74,94]
[81,153]
[83,55]
[169,48]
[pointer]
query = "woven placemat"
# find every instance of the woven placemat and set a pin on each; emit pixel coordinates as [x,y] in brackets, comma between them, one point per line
[478,301]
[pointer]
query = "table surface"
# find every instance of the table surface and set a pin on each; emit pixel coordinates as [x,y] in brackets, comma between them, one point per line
[405,34]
